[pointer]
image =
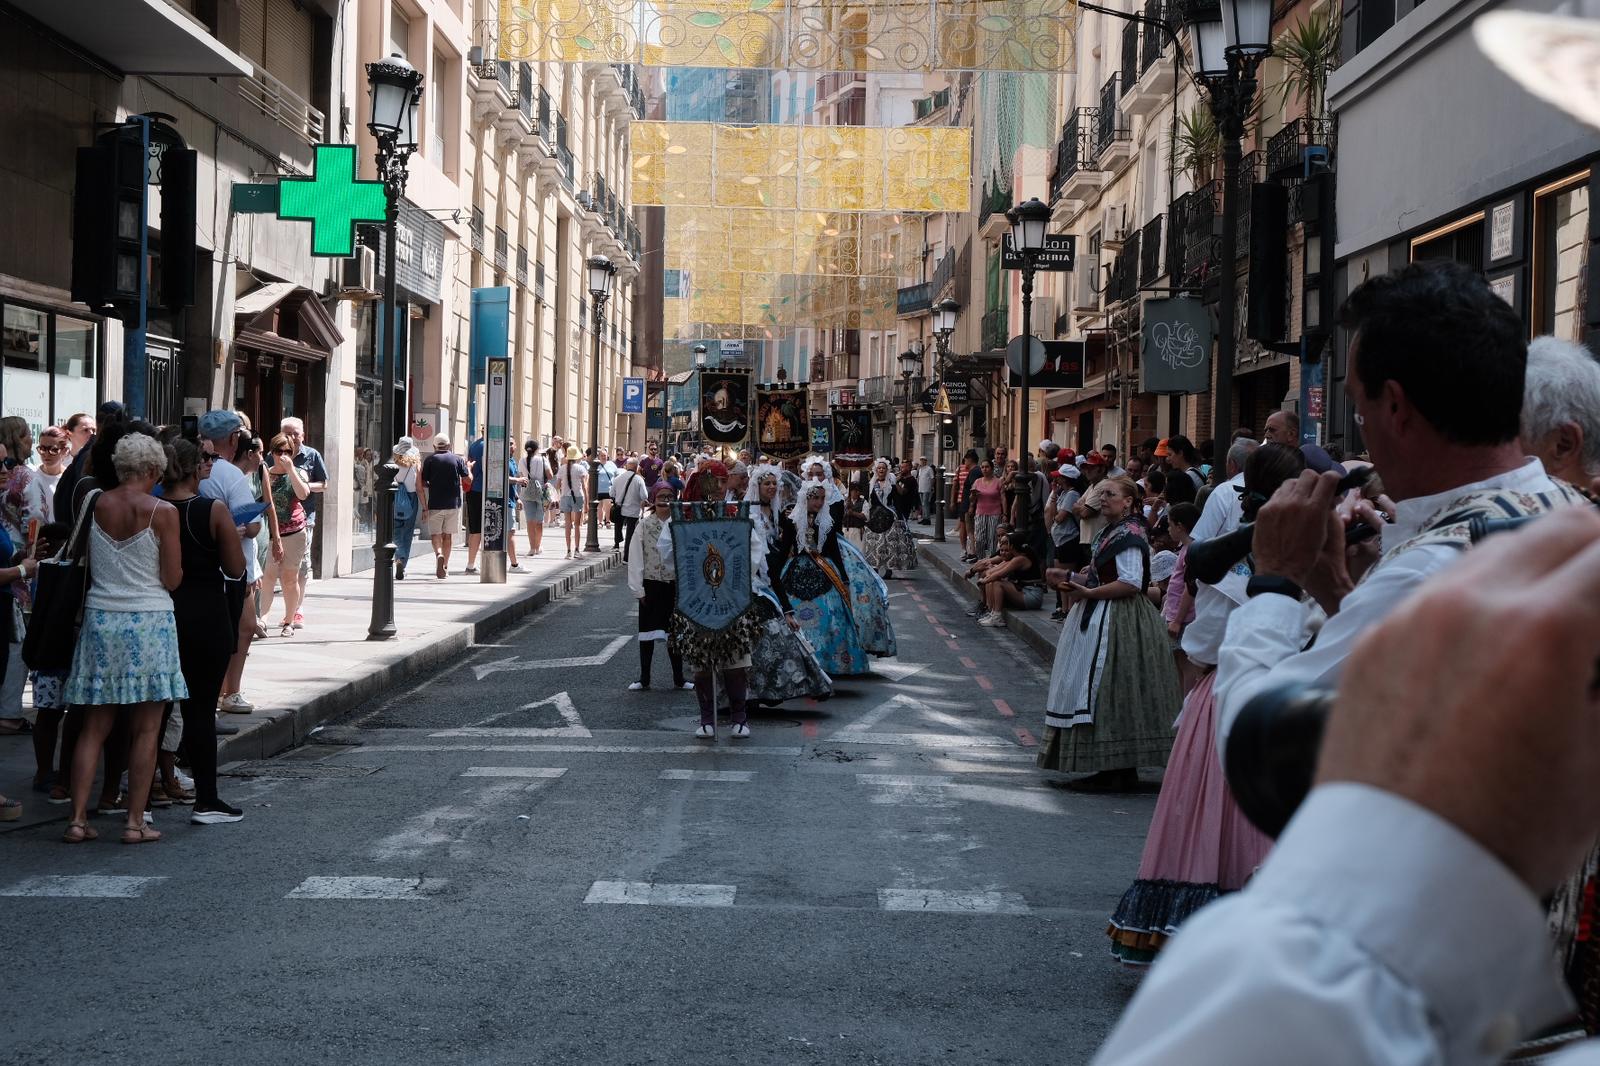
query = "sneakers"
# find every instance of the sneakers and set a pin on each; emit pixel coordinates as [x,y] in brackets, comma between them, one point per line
[993,620]
[706,732]
[226,729]
[977,610]
[215,812]
[235,703]
[741,731]
[470,570]
[185,782]
[299,620]
[1058,615]
[638,686]
[438,567]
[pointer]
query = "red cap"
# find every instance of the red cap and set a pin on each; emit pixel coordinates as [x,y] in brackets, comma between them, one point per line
[1094,458]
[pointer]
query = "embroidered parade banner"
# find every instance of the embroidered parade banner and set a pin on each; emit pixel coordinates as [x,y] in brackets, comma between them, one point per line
[852,438]
[822,436]
[724,405]
[782,421]
[711,557]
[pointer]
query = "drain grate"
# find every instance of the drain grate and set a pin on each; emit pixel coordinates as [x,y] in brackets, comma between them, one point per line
[295,771]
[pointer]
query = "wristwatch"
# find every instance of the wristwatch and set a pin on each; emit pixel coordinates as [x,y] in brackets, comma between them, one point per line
[1261,584]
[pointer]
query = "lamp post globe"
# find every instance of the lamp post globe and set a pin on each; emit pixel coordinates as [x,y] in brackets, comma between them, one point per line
[699,356]
[944,320]
[396,88]
[1247,27]
[600,272]
[1207,39]
[1029,222]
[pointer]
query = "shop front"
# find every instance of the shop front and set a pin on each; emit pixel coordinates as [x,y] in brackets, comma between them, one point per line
[283,337]
[52,360]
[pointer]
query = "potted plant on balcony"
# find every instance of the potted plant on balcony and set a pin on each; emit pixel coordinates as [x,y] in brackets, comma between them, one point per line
[1196,144]
[1309,53]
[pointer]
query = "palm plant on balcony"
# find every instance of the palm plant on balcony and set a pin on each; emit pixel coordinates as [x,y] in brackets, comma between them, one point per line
[1196,144]
[1309,52]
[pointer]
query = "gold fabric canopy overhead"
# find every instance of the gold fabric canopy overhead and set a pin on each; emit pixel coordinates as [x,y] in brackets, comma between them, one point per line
[789,242]
[805,168]
[750,306]
[806,35]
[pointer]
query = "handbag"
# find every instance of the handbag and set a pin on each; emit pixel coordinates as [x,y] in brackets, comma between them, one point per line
[62,583]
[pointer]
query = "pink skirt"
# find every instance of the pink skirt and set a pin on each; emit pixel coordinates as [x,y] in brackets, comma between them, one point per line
[1200,844]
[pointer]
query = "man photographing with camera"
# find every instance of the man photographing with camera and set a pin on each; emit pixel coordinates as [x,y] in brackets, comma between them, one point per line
[1435,377]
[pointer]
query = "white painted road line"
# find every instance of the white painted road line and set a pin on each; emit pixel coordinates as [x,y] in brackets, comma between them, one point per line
[395,888]
[589,749]
[933,900]
[933,790]
[514,771]
[573,725]
[660,895]
[82,886]
[882,711]
[514,663]
[925,780]
[706,775]
[922,740]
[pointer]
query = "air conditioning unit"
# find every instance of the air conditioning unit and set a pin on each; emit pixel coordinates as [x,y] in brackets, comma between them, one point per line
[1086,295]
[1113,227]
[358,275]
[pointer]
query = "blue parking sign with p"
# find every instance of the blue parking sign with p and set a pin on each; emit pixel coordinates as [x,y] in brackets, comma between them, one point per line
[633,396]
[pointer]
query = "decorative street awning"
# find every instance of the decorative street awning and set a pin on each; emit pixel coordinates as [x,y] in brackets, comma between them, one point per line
[802,35]
[789,242]
[804,168]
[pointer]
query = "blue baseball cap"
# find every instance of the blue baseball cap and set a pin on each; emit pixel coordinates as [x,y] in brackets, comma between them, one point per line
[217,425]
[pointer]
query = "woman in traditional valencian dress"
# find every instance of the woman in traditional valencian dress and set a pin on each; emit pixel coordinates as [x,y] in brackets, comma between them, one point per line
[782,664]
[892,549]
[868,595]
[815,583]
[1114,686]
[653,583]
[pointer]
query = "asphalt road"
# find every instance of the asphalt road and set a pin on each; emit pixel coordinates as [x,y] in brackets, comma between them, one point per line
[517,861]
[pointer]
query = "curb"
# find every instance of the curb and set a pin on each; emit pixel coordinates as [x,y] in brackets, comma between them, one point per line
[288,727]
[1034,627]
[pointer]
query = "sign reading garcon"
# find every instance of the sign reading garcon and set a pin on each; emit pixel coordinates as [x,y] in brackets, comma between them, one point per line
[333,200]
[711,557]
[1058,254]
[1176,350]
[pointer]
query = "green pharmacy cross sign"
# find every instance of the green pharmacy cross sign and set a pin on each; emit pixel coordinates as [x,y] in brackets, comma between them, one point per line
[332,200]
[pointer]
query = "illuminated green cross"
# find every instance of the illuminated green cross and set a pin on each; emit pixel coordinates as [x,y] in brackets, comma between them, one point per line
[333,200]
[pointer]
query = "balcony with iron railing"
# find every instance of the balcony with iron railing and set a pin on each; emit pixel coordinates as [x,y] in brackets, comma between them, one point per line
[995,328]
[538,282]
[1287,149]
[1130,56]
[874,390]
[1113,140]
[526,100]
[1150,252]
[544,127]
[569,170]
[522,265]
[945,272]
[502,249]
[1202,243]
[996,200]
[914,299]
[1079,173]
[1146,91]
[1178,236]
[279,103]
[475,227]
[1155,42]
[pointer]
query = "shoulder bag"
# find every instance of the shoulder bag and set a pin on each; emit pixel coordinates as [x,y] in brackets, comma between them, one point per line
[63,581]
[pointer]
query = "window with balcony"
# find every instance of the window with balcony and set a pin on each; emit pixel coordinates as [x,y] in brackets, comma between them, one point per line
[1364,21]
[1560,256]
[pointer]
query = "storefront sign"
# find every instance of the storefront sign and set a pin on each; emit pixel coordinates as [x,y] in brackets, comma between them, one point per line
[418,254]
[1058,255]
[1062,368]
[1176,346]
[332,200]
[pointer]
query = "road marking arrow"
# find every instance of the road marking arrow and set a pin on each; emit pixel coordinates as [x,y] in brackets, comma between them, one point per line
[880,712]
[563,704]
[513,663]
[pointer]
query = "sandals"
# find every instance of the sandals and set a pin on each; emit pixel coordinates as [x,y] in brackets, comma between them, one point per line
[286,629]
[142,834]
[15,727]
[261,631]
[78,832]
[177,793]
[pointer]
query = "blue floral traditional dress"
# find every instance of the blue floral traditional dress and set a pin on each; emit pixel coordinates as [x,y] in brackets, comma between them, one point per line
[821,593]
[783,664]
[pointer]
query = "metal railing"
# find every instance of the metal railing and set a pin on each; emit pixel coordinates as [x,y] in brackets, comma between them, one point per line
[1249,174]
[280,103]
[525,98]
[538,282]
[1155,42]
[502,249]
[995,198]
[913,299]
[995,329]
[569,171]
[1108,128]
[522,265]
[545,129]
[503,74]
[476,228]
[1150,251]
[1178,236]
[1071,151]
[1202,245]
[1130,55]
[874,390]
[1285,148]
[945,272]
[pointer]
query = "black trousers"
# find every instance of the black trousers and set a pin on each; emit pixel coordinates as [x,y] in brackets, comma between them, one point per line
[623,525]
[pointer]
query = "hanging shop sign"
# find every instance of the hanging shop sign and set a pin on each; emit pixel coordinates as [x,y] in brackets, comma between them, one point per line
[1057,256]
[332,200]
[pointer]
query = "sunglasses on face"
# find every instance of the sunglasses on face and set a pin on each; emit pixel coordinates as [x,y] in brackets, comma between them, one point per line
[51,449]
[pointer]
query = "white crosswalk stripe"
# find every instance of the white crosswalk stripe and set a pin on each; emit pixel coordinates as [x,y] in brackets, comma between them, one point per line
[652,894]
[82,886]
[368,888]
[514,771]
[940,901]
[707,775]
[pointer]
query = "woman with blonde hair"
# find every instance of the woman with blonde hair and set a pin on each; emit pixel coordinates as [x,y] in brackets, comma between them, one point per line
[127,655]
[573,485]
[287,488]
[408,457]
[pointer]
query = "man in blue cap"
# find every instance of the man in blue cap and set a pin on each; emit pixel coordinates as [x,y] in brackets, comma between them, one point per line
[221,480]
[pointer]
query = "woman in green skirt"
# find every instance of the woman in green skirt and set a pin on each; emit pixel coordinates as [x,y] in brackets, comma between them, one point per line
[1114,689]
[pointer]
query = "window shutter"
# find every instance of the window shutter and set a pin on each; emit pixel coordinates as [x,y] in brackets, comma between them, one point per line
[252,30]
[289,46]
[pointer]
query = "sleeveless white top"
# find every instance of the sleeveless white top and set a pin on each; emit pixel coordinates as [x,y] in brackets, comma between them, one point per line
[125,575]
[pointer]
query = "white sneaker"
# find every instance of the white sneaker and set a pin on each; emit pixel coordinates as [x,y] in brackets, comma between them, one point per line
[687,686]
[637,686]
[706,732]
[185,782]
[235,703]
[741,731]
[993,620]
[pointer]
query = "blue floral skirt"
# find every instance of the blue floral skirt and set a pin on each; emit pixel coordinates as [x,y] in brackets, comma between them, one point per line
[869,602]
[126,657]
[824,618]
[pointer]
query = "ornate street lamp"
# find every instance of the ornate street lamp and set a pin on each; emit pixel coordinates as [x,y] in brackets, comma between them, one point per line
[944,327]
[910,366]
[396,88]
[601,271]
[1029,222]
[1230,38]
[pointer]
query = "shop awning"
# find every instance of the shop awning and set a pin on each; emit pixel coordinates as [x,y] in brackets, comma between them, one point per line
[139,36]
[286,319]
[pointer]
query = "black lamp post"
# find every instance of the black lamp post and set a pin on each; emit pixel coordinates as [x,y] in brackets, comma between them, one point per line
[601,272]
[944,325]
[396,88]
[1230,39]
[1029,221]
[699,365]
[910,365]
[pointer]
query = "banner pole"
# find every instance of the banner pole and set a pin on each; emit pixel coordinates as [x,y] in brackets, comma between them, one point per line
[714,675]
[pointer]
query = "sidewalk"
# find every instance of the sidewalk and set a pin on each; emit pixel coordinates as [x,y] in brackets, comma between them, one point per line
[1034,627]
[297,683]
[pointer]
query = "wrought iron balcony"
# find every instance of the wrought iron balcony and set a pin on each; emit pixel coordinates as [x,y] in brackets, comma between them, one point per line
[1130,55]
[522,265]
[1155,42]
[995,199]
[1286,148]
[502,249]
[1150,252]
[995,329]
[914,299]
[874,390]
[546,131]
[526,100]
[1109,127]
[475,227]
[944,273]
